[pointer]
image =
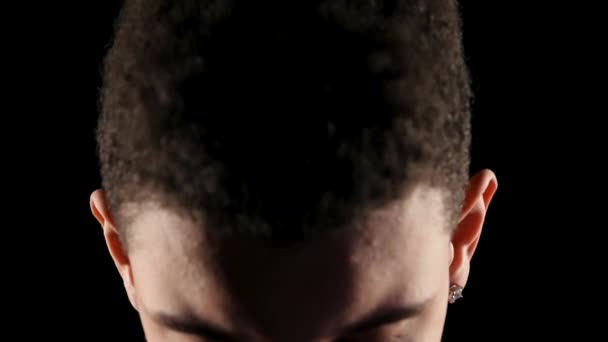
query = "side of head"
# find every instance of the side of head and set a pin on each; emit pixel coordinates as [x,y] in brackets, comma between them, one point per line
[261,156]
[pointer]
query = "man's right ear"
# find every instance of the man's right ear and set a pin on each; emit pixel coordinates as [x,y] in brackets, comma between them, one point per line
[99,207]
[101,212]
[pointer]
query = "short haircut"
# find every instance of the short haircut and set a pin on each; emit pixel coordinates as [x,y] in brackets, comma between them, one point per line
[280,119]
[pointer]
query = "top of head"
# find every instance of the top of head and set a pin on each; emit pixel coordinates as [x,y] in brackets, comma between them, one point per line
[282,118]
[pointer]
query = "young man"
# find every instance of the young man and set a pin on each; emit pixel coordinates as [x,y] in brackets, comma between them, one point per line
[289,170]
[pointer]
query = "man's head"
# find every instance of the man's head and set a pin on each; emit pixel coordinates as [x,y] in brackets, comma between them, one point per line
[282,170]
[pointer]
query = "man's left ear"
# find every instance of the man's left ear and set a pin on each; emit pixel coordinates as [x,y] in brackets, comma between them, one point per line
[482,187]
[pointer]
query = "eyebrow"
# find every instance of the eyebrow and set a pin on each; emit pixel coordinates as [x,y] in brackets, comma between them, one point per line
[198,326]
[384,316]
[202,327]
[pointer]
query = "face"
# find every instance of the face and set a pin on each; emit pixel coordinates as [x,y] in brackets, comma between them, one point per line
[387,281]
[394,272]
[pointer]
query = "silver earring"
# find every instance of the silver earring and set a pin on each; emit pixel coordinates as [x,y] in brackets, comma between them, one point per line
[455,293]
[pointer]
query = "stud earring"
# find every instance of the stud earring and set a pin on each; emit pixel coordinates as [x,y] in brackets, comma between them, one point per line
[455,293]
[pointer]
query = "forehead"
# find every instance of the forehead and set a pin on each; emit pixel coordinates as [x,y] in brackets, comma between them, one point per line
[396,256]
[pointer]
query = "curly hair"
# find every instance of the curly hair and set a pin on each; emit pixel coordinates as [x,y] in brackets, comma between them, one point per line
[278,119]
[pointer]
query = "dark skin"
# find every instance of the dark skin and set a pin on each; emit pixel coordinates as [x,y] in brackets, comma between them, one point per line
[388,282]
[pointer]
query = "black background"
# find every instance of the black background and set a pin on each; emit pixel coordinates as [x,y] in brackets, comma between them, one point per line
[522,285]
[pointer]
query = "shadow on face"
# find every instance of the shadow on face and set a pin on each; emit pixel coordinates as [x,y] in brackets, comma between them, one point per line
[386,282]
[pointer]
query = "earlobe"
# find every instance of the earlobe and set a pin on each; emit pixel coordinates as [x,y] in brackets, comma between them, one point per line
[465,238]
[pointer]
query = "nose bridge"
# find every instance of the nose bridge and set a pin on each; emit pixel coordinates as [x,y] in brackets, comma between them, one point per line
[294,338]
[290,337]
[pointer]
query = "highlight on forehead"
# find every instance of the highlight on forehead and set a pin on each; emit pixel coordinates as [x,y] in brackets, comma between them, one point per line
[147,216]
